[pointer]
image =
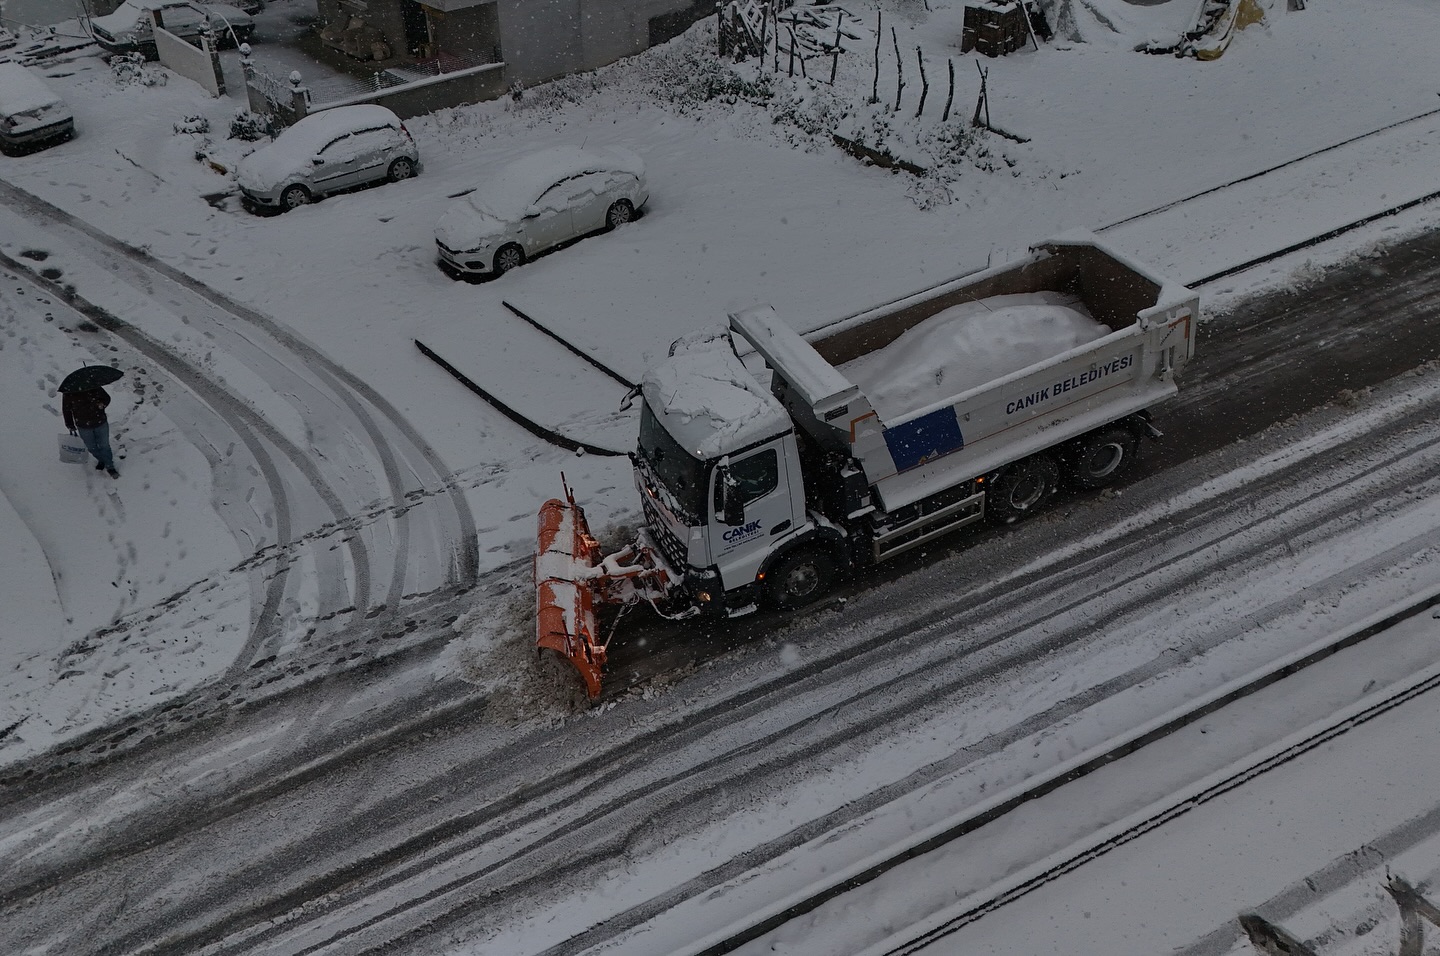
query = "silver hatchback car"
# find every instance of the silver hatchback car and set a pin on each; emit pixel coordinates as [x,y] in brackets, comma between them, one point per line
[545,200]
[328,152]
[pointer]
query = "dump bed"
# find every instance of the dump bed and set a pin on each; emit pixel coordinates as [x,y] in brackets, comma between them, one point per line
[1121,335]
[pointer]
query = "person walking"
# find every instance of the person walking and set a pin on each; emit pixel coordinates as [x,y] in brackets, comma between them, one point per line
[85,416]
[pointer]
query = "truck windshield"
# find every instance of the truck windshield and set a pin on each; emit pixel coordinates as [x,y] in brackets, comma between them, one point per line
[682,474]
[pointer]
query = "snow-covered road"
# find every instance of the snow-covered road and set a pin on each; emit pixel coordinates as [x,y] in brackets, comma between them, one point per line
[265,740]
[310,470]
[903,708]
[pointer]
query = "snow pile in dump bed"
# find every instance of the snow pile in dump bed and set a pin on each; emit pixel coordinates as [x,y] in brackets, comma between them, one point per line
[970,344]
[708,400]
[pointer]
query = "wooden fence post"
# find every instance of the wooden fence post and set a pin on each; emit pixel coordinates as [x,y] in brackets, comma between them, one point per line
[764,25]
[950,64]
[924,82]
[875,84]
[775,15]
[899,71]
[980,102]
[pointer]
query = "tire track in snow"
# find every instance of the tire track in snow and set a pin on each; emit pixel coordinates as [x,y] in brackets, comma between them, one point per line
[561,854]
[452,529]
[247,424]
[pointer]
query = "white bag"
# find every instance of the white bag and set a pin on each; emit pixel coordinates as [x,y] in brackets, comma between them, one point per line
[72,449]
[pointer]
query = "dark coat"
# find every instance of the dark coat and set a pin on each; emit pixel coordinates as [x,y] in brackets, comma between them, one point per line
[84,409]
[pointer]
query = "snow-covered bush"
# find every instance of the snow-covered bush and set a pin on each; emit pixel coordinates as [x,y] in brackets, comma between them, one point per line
[192,124]
[249,126]
[687,76]
[130,68]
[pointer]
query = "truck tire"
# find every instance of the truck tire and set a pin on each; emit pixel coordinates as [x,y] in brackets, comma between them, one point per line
[1022,488]
[1101,457]
[799,578]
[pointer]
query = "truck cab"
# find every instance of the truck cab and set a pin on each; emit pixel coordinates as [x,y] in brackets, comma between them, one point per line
[718,471]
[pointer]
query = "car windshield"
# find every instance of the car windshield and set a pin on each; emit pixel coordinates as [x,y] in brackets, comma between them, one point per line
[129,13]
[505,197]
[682,474]
[508,192]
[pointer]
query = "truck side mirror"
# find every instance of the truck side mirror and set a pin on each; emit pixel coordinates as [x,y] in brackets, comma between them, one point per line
[732,508]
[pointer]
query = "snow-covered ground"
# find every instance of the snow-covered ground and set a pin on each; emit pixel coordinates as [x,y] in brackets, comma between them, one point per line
[743,210]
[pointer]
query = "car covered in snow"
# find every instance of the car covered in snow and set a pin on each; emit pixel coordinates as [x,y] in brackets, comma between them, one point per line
[539,202]
[130,29]
[328,152]
[31,114]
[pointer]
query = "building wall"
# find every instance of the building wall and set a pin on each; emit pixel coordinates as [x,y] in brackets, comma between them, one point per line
[384,15]
[543,39]
[474,85]
[540,38]
[470,31]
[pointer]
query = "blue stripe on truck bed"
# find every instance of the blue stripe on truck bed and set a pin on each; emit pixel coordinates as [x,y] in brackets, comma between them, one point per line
[923,439]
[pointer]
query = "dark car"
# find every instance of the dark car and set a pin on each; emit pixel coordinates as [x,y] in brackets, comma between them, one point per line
[31,114]
[130,28]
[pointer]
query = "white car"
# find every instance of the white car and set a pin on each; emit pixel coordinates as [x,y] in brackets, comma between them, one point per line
[130,29]
[326,152]
[539,202]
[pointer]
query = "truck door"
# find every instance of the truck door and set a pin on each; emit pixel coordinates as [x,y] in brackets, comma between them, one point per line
[760,481]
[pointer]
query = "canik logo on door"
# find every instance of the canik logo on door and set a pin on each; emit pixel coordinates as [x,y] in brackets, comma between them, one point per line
[742,532]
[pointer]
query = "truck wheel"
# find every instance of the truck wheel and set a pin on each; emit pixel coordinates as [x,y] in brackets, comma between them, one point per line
[799,578]
[1101,457]
[1022,488]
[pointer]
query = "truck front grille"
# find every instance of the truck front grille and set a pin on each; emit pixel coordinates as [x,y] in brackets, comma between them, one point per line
[673,547]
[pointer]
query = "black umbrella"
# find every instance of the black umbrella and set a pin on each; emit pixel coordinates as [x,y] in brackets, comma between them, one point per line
[91,376]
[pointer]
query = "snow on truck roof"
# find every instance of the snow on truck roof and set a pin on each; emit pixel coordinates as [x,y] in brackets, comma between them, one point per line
[21,91]
[708,400]
[512,188]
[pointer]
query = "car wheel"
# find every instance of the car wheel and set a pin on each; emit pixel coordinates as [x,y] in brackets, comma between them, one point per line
[509,257]
[1022,488]
[1101,457]
[402,168]
[294,196]
[800,578]
[619,214]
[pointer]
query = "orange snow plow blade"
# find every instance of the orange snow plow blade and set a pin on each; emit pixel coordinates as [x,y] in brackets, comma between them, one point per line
[572,575]
[565,620]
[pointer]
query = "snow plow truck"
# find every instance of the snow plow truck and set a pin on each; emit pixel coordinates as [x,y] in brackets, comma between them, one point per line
[975,398]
